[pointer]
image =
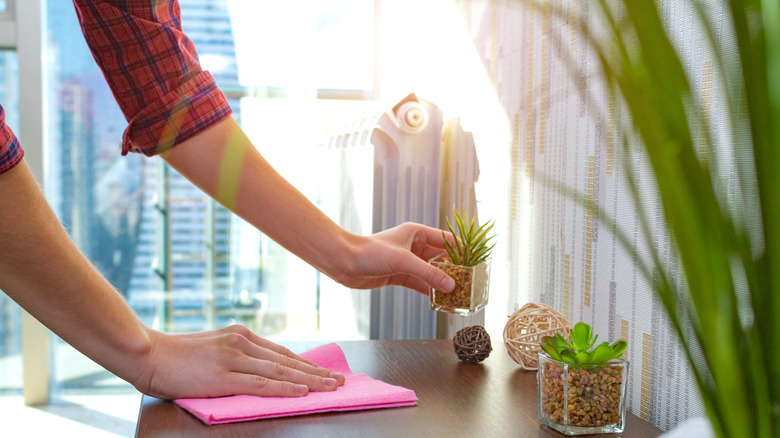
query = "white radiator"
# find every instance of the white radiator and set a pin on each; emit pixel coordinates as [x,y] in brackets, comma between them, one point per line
[403,165]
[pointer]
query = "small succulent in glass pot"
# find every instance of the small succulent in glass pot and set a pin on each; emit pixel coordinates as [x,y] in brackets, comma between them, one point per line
[582,388]
[467,261]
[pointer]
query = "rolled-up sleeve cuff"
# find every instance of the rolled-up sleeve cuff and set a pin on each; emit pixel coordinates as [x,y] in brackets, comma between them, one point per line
[181,114]
[11,152]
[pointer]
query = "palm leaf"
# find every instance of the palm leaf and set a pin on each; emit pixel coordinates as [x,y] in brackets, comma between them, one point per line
[740,388]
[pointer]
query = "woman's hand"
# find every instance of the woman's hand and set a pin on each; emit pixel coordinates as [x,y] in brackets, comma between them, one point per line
[261,196]
[397,256]
[227,362]
[44,272]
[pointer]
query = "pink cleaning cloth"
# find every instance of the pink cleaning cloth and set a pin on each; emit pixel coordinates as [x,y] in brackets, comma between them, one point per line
[358,392]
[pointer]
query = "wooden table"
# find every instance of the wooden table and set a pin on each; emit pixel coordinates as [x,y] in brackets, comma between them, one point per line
[495,398]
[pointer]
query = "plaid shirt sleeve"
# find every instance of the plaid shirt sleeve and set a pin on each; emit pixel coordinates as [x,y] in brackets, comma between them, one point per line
[11,152]
[153,71]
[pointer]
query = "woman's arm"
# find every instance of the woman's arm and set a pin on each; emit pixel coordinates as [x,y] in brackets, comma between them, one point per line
[224,164]
[174,108]
[43,271]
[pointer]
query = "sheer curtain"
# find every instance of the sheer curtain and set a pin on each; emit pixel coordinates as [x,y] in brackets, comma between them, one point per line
[557,252]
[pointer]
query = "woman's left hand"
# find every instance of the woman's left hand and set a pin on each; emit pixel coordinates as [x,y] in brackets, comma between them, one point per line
[397,256]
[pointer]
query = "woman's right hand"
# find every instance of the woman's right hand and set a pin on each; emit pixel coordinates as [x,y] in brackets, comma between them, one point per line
[225,362]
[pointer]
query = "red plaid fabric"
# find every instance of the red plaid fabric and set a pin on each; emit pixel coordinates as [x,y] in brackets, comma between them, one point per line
[153,71]
[11,152]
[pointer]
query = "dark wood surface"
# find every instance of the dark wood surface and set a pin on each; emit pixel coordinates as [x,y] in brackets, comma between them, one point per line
[495,398]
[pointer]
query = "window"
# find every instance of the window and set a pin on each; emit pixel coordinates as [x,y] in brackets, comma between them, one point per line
[198,266]
[10,313]
[289,70]
[322,70]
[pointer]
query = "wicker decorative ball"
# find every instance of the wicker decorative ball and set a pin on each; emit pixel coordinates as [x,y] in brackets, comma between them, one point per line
[527,326]
[472,344]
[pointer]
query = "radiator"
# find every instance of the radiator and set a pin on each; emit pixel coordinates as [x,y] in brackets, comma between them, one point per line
[403,165]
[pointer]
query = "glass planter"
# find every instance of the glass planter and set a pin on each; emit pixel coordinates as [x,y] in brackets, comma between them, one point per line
[471,287]
[581,399]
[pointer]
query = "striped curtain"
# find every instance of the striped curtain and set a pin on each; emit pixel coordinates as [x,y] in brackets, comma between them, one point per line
[559,253]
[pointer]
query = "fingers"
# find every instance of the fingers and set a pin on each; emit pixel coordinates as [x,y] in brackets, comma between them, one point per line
[434,236]
[279,378]
[439,280]
[263,349]
[265,343]
[425,272]
[251,384]
[279,367]
[410,267]
[414,283]
[425,235]
[430,252]
[399,256]
[407,281]
[273,370]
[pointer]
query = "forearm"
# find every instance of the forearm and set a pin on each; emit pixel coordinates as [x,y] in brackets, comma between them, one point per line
[43,271]
[223,163]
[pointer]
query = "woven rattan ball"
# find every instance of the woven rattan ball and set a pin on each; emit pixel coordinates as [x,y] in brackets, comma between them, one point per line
[527,326]
[472,344]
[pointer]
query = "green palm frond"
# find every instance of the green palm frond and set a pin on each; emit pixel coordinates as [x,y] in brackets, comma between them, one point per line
[723,256]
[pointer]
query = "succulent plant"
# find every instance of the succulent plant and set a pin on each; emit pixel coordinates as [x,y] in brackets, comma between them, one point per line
[471,242]
[579,350]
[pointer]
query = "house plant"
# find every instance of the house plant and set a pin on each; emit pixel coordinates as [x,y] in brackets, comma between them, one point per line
[582,387]
[727,245]
[467,261]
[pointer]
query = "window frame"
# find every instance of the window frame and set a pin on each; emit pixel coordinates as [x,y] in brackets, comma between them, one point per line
[28,42]
[8,26]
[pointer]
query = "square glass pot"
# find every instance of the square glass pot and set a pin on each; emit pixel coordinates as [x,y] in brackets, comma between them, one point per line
[471,287]
[582,399]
